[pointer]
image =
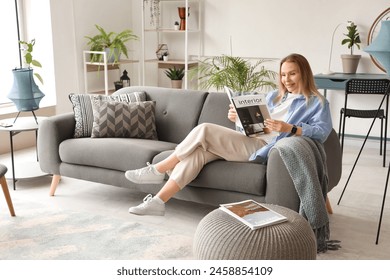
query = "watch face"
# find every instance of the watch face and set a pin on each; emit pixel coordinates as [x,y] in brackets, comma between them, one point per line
[294,130]
[374,30]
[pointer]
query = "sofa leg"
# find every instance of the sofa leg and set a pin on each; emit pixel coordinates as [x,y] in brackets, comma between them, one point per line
[54,183]
[328,206]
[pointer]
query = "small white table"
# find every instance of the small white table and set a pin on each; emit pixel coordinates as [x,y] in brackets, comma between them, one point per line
[22,124]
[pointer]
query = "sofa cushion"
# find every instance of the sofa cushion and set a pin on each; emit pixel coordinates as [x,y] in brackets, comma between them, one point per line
[83,113]
[215,110]
[122,119]
[111,153]
[243,177]
[177,110]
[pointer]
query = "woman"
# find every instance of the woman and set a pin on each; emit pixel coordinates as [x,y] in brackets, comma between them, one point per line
[297,108]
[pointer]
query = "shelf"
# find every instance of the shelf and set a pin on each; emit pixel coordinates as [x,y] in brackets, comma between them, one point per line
[103,92]
[172,63]
[168,30]
[103,66]
[97,66]
[164,33]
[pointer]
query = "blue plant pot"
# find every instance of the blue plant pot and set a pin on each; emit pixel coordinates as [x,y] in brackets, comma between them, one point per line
[25,94]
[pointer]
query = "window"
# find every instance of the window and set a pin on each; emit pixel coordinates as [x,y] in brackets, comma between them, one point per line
[9,47]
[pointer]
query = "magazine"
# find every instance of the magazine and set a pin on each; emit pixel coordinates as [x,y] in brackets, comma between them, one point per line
[253,214]
[251,111]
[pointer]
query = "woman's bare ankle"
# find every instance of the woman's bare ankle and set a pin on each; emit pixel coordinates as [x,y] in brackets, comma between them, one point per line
[167,164]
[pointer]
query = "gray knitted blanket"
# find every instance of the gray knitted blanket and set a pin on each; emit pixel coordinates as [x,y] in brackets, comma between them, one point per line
[305,160]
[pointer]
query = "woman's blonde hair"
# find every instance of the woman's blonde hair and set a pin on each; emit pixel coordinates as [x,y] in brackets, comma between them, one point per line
[307,79]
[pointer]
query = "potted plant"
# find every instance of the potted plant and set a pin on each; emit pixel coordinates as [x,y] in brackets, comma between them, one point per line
[351,61]
[176,75]
[234,72]
[25,93]
[111,42]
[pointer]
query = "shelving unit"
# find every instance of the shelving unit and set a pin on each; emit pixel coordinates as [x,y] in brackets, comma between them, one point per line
[164,33]
[104,66]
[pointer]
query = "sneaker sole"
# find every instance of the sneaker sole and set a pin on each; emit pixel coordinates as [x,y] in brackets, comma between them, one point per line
[148,214]
[144,181]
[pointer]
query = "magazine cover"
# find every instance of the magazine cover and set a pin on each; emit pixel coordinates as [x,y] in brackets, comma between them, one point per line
[251,110]
[253,214]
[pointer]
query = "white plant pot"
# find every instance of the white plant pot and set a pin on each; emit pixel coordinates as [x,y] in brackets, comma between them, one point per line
[350,63]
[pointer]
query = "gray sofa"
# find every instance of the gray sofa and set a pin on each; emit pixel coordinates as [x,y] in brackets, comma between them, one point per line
[105,160]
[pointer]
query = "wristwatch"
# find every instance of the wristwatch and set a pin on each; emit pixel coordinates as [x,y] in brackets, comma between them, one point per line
[294,129]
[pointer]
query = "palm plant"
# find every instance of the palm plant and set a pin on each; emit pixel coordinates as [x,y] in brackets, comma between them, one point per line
[234,72]
[113,41]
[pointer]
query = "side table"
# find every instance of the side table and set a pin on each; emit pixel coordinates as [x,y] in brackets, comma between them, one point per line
[23,124]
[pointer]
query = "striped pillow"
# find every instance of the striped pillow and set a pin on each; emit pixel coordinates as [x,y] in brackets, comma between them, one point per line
[83,113]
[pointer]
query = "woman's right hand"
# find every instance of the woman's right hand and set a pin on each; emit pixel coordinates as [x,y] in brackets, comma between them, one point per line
[232,114]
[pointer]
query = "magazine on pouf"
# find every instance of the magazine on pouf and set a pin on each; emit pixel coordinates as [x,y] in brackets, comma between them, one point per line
[253,214]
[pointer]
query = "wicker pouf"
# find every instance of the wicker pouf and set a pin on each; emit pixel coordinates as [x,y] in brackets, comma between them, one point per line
[220,236]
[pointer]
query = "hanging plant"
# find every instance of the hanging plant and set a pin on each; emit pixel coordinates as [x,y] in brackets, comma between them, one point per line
[154,12]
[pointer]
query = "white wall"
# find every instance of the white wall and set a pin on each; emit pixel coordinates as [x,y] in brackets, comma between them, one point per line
[258,28]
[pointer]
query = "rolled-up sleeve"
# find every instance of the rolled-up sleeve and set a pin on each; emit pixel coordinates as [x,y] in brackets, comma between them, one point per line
[319,125]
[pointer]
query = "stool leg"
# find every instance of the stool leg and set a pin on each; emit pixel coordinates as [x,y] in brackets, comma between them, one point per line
[4,185]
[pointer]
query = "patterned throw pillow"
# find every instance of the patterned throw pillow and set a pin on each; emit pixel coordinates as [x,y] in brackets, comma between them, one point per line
[82,108]
[123,119]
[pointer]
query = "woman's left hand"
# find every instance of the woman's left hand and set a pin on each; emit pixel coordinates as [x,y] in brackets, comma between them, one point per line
[278,126]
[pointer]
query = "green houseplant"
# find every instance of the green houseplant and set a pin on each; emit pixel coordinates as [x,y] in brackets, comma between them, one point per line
[351,61]
[234,72]
[176,75]
[111,42]
[28,48]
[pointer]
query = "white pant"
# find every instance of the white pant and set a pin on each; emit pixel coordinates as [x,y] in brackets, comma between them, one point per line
[208,142]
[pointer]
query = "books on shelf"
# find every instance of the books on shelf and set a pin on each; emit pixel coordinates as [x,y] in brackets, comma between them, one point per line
[251,111]
[255,215]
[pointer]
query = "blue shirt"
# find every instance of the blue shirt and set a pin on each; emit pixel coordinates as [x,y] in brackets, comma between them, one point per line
[314,118]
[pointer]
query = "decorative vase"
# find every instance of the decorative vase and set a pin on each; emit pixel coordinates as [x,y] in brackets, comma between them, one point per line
[25,94]
[350,63]
[182,15]
[176,83]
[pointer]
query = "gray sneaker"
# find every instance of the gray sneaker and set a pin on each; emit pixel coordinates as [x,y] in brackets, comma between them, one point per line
[150,206]
[146,175]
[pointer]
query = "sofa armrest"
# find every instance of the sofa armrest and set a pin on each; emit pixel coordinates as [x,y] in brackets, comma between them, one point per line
[52,131]
[280,187]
